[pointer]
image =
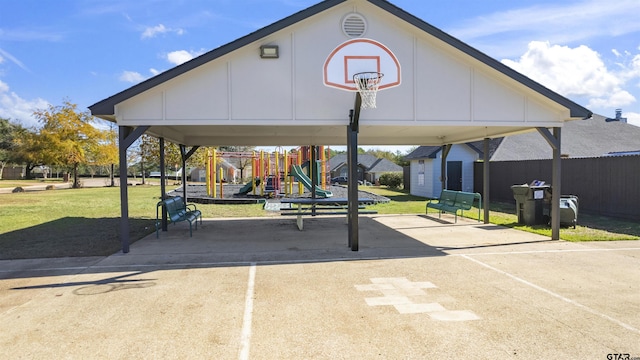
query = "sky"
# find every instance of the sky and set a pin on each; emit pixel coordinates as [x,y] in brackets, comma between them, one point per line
[84,51]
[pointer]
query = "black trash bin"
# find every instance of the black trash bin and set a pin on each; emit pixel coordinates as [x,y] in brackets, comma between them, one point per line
[532,203]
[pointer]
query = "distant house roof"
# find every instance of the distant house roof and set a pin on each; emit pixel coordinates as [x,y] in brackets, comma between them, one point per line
[371,163]
[593,137]
[424,152]
[431,152]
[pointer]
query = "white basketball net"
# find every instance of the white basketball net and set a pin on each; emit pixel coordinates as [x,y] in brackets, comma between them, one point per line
[367,84]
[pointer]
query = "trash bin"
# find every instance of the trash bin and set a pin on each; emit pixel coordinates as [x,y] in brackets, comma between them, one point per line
[532,202]
[569,210]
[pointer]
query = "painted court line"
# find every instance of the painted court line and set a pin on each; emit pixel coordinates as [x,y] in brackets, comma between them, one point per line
[245,340]
[400,293]
[549,251]
[549,292]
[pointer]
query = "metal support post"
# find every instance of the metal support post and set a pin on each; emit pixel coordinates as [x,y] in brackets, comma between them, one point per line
[485,180]
[352,181]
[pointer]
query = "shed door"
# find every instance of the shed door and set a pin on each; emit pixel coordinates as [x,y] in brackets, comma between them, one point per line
[454,175]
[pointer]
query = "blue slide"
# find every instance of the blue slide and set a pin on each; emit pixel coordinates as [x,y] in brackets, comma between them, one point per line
[299,174]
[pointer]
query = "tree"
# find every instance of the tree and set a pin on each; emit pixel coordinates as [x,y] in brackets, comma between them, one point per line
[172,156]
[243,161]
[67,136]
[200,157]
[8,135]
[397,158]
[104,153]
[391,180]
[149,152]
[381,154]
[28,149]
[333,152]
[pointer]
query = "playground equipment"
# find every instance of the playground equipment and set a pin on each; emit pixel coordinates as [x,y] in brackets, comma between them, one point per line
[248,187]
[299,174]
[272,174]
[218,170]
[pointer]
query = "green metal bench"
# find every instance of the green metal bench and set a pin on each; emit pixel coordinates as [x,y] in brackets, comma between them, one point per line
[177,210]
[453,201]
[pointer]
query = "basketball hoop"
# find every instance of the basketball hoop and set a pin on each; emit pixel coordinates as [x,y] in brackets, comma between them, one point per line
[367,84]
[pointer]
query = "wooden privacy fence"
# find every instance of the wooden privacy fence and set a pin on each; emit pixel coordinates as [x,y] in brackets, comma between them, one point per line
[606,185]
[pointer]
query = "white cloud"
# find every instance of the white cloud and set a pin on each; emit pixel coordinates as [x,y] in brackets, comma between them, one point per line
[131,76]
[571,21]
[182,56]
[4,54]
[632,71]
[617,99]
[179,57]
[577,71]
[135,77]
[632,118]
[152,31]
[16,108]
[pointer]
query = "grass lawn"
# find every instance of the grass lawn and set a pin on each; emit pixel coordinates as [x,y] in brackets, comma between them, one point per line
[85,222]
[590,227]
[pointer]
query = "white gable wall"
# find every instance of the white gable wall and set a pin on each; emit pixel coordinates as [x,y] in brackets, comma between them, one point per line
[438,83]
[193,97]
[451,76]
[441,87]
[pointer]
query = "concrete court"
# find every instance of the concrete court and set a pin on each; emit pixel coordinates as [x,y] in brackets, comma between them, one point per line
[418,288]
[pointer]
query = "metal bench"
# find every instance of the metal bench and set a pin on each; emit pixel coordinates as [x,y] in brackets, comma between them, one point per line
[177,210]
[453,201]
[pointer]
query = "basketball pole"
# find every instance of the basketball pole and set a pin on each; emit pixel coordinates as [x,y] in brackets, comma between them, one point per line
[352,181]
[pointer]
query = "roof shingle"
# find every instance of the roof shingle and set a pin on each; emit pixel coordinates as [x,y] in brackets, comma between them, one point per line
[593,137]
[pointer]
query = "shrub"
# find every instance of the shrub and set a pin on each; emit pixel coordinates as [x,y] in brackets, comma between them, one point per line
[391,180]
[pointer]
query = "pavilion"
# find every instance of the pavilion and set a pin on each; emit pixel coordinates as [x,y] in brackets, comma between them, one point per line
[269,88]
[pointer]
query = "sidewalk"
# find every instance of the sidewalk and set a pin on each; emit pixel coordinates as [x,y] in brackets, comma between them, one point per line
[86,182]
[39,187]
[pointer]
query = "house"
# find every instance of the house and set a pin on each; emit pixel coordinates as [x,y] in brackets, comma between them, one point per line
[595,137]
[370,168]
[426,168]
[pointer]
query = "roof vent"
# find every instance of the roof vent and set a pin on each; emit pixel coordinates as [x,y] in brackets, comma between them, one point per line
[354,25]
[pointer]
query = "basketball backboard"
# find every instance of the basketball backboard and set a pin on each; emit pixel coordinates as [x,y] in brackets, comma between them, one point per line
[360,55]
